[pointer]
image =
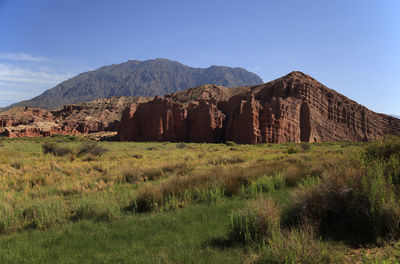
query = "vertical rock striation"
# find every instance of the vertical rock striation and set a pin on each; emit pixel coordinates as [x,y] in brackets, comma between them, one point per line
[294,108]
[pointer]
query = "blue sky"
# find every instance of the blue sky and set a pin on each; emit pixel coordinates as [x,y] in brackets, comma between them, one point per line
[352,46]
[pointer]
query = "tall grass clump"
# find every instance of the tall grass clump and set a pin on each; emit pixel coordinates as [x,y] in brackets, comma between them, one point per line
[44,214]
[99,208]
[8,219]
[254,223]
[262,185]
[298,245]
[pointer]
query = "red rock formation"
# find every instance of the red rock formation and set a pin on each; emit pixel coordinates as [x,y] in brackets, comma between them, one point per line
[83,118]
[294,108]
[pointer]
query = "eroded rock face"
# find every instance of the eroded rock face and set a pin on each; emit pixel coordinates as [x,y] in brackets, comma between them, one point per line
[83,118]
[294,108]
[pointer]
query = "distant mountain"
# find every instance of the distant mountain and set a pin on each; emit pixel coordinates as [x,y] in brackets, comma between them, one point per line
[397,116]
[138,78]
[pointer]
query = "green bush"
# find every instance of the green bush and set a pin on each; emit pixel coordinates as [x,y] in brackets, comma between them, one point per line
[382,149]
[132,175]
[55,149]
[91,148]
[356,207]
[292,150]
[148,199]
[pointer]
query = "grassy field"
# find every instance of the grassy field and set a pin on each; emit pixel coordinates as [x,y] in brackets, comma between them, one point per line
[67,199]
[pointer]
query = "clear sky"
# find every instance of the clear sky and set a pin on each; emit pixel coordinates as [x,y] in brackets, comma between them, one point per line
[352,46]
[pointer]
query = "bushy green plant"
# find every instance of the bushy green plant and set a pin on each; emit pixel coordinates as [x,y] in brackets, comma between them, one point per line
[360,206]
[148,199]
[132,175]
[55,149]
[382,149]
[292,150]
[91,148]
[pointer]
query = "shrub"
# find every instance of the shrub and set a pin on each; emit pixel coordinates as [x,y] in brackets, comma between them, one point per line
[132,175]
[147,200]
[180,169]
[386,152]
[152,174]
[254,223]
[18,164]
[294,174]
[55,149]
[91,148]
[233,182]
[292,150]
[382,149]
[359,206]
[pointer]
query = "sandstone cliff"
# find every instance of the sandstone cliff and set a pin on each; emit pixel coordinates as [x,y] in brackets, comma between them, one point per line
[294,108]
[94,116]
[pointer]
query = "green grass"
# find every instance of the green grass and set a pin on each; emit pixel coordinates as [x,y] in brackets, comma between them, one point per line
[152,202]
[182,236]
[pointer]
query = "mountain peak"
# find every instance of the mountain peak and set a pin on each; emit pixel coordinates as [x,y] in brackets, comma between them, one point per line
[139,78]
[298,75]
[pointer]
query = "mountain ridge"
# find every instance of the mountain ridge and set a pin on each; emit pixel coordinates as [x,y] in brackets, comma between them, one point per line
[138,78]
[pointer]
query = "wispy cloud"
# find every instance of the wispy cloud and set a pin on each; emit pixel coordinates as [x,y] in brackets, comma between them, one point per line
[20,56]
[34,75]
[23,76]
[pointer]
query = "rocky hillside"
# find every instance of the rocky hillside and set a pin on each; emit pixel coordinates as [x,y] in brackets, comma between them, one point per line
[294,108]
[138,78]
[94,116]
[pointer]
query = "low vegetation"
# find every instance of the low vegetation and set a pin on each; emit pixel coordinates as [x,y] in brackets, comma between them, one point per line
[288,203]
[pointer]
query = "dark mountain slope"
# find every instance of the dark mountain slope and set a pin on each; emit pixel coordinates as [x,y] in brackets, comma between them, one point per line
[138,78]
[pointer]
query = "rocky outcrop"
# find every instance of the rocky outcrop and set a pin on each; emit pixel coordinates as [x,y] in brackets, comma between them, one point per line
[294,108]
[90,117]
